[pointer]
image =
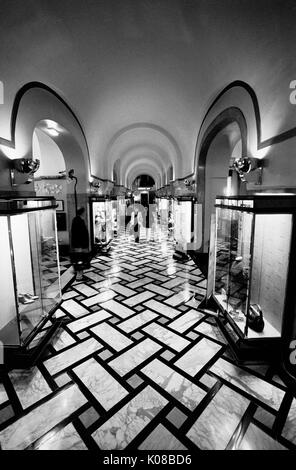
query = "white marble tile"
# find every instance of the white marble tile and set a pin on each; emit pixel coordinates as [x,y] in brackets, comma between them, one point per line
[66,438]
[139,298]
[186,392]
[198,356]
[126,277]
[62,339]
[130,420]
[88,320]
[186,321]
[166,336]
[111,336]
[3,394]
[74,308]
[158,277]
[179,298]
[30,427]
[99,298]
[100,266]
[162,309]
[118,309]
[161,439]
[213,331]
[69,295]
[100,383]
[29,385]
[189,276]
[139,271]
[251,384]
[141,282]
[106,284]
[134,356]
[122,290]
[217,423]
[256,439]
[94,276]
[137,321]
[159,290]
[67,358]
[289,430]
[85,290]
[128,266]
[173,283]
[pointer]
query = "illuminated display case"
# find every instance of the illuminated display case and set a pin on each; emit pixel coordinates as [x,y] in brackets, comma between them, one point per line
[251,273]
[183,223]
[29,273]
[101,223]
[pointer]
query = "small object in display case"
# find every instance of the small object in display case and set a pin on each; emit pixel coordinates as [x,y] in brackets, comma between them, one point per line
[252,275]
[29,276]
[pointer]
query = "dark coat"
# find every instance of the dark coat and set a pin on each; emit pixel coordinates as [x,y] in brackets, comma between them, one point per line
[79,233]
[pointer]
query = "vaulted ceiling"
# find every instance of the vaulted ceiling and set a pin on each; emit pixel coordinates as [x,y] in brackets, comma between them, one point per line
[141,74]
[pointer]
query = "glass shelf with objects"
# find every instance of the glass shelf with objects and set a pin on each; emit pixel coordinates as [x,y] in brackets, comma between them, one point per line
[251,272]
[29,275]
[101,217]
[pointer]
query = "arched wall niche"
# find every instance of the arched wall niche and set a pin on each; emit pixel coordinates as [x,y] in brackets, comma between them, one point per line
[34,103]
[216,149]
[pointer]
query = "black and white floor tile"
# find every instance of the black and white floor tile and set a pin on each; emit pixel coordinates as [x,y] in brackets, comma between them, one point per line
[138,366]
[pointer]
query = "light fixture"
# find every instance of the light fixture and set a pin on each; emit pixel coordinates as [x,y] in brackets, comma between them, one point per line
[26,166]
[53,132]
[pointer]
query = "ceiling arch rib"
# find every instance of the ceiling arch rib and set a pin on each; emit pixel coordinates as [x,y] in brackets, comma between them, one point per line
[147,171]
[141,163]
[149,136]
[139,159]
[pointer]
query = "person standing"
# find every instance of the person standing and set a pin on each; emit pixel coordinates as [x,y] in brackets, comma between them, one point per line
[79,243]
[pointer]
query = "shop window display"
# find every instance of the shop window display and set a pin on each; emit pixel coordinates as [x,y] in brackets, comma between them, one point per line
[29,268]
[183,223]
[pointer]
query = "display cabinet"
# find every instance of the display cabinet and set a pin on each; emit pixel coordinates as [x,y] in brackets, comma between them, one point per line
[251,276]
[101,223]
[29,274]
[183,224]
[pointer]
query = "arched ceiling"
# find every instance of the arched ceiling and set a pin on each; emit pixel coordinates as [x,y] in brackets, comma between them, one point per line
[143,73]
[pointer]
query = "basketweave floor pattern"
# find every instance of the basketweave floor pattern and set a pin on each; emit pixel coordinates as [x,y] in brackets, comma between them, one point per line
[138,366]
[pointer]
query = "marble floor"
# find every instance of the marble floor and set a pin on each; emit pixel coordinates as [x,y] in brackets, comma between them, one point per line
[137,365]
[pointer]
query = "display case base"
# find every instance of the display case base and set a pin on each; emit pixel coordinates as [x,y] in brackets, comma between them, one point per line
[247,351]
[24,357]
[180,256]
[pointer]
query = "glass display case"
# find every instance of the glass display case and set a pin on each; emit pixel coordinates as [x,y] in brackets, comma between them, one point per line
[29,268]
[101,223]
[183,223]
[249,270]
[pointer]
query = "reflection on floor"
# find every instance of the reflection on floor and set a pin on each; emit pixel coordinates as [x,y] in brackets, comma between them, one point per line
[139,367]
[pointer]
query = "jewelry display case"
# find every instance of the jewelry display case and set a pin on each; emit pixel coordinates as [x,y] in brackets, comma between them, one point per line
[29,273]
[251,273]
[101,223]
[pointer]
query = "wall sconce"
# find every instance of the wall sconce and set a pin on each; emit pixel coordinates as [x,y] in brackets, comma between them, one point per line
[26,166]
[249,166]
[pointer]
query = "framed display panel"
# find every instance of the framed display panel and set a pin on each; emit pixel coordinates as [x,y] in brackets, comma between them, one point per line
[253,248]
[101,222]
[183,223]
[29,268]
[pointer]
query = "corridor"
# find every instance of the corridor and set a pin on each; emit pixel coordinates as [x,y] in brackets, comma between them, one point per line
[138,366]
